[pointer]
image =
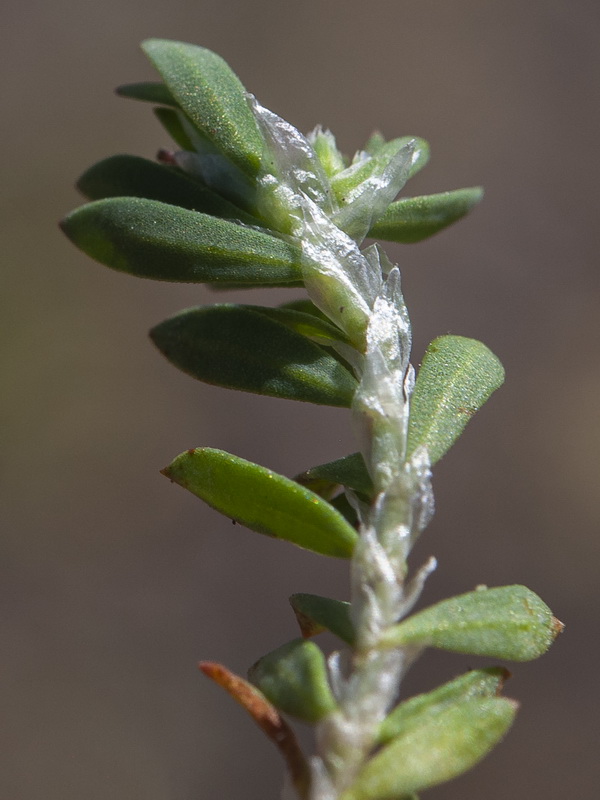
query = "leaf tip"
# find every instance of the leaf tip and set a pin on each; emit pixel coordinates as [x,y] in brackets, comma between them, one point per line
[308,626]
[556,627]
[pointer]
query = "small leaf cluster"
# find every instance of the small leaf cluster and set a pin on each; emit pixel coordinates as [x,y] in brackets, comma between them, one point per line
[216,210]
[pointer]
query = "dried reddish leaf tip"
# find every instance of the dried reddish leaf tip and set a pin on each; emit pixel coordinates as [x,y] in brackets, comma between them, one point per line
[308,627]
[266,717]
[557,627]
[506,674]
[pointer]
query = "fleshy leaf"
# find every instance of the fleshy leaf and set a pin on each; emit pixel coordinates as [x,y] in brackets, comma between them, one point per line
[456,377]
[263,501]
[323,143]
[434,748]
[149,92]
[315,328]
[412,219]
[266,716]
[374,143]
[212,96]
[508,622]
[238,348]
[365,203]
[156,240]
[294,679]
[132,176]
[316,614]
[425,707]
[306,306]
[348,512]
[365,166]
[171,120]
[349,471]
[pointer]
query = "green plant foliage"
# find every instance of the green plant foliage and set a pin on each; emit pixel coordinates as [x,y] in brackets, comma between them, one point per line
[434,748]
[326,150]
[212,97]
[349,471]
[294,679]
[132,176]
[317,614]
[263,501]
[455,379]
[346,183]
[509,622]
[239,348]
[155,240]
[148,92]
[308,325]
[412,219]
[473,684]
[306,306]
[172,121]
[247,202]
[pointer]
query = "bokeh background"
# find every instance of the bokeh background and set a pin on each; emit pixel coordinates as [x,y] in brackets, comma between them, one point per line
[114,582]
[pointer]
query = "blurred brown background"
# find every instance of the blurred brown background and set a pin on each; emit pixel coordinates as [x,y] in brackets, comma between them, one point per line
[114,583]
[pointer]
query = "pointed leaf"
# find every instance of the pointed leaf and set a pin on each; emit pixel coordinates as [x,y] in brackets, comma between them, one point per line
[323,143]
[346,183]
[321,331]
[238,348]
[132,176]
[434,749]
[348,512]
[366,203]
[509,622]
[294,679]
[212,97]
[307,307]
[374,143]
[263,501]
[149,92]
[455,379]
[412,219]
[266,716]
[170,119]
[424,708]
[156,240]
[350,471]
[316,614]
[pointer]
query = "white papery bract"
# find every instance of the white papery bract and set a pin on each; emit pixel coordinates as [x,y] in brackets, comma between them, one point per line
[368,201]
[359,291]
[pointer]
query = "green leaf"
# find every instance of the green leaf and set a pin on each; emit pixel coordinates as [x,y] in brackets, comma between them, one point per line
[316,614]
[509,622]
[132,176]
[320,331]
[374,143]
[170,119]
[349,471]
[236,347]
[424,708]
[149,92]
[434,749]
[346,509]
[294,679]
[455,379]
[412,219]
[346,183]
[307,307]
[263,501]
[156,240]
[212,97]
[323,142]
